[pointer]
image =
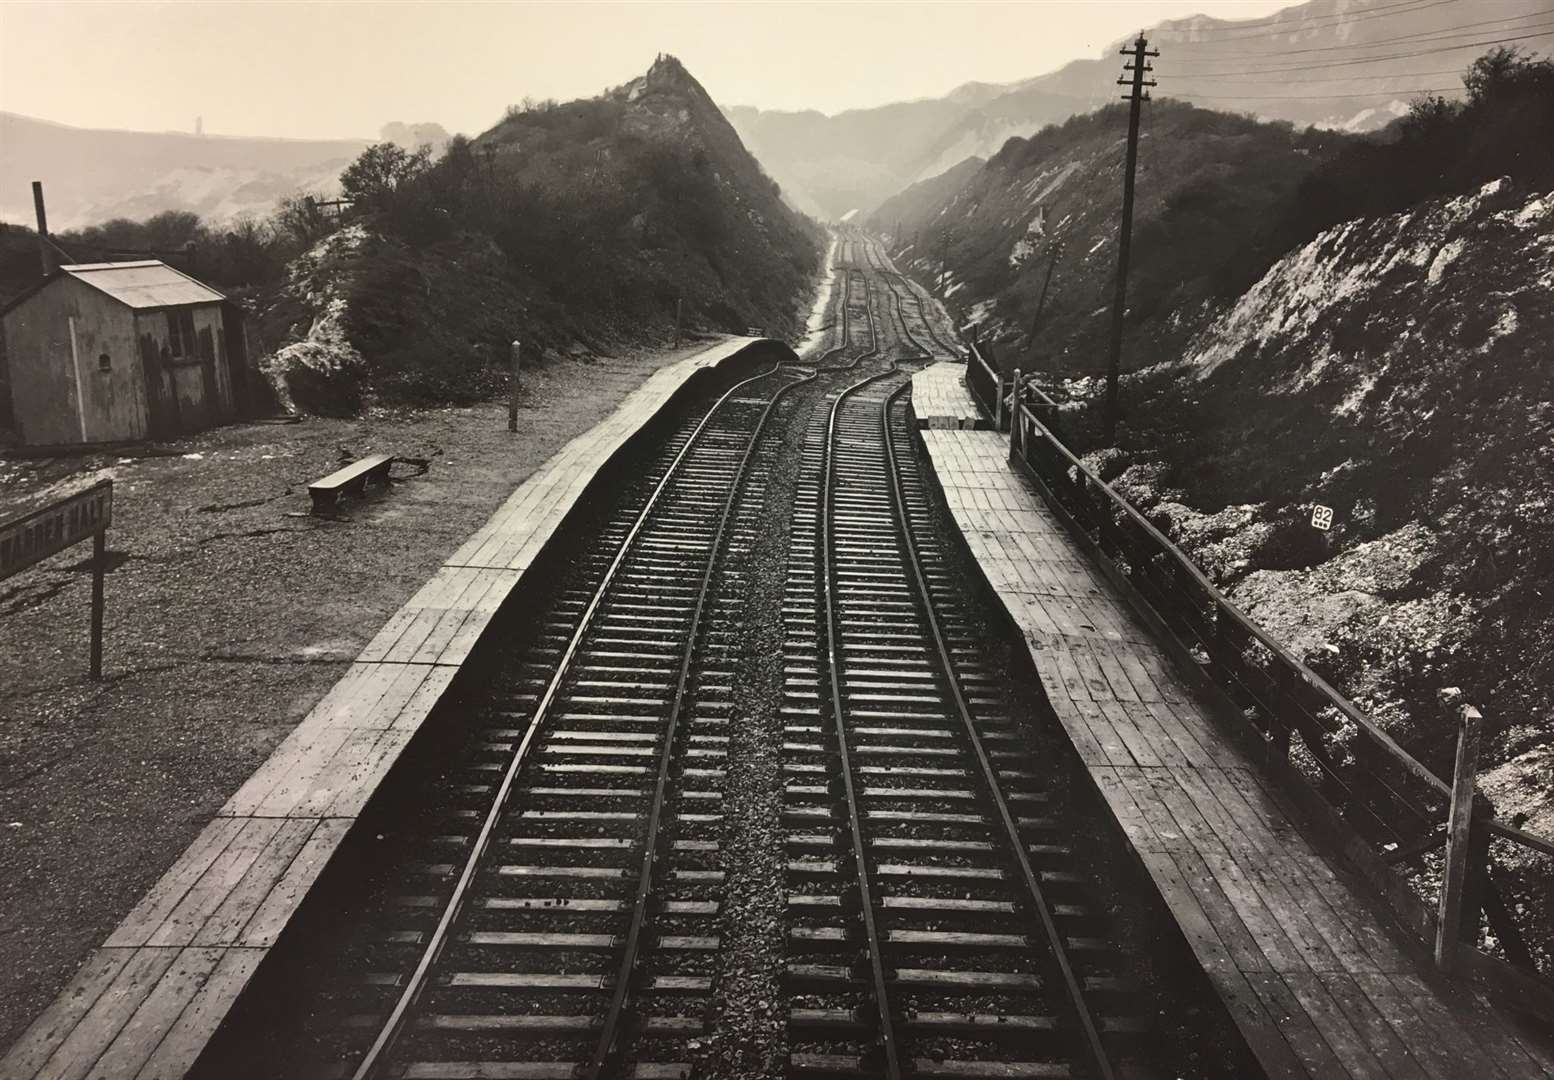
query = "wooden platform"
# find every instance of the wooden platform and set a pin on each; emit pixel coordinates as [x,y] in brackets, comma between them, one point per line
[147,1001]
[1318,981]
[940,398]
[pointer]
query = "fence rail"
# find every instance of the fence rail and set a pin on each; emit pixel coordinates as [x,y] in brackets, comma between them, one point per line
[1388,810]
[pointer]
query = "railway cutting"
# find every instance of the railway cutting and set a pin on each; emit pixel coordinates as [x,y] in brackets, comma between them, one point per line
[543,889]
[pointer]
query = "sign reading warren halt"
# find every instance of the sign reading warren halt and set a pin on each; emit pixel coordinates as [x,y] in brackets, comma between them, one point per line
[33,537]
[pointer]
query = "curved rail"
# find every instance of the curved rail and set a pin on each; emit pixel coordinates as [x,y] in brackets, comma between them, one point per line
[389,1033]
[1028,877]
[888,1042]
[628,962]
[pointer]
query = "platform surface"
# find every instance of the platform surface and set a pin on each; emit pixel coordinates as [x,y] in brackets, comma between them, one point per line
[940,398]
[146,1002]
[1319,984]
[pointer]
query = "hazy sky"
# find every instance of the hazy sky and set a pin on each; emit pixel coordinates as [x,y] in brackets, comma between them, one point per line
[345,69]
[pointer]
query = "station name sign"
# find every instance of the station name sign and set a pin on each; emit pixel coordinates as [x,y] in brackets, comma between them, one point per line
[33,537]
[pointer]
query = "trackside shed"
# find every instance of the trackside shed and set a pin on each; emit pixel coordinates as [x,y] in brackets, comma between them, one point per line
[117,352]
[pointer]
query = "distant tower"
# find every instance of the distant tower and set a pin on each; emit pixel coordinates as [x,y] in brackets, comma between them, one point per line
[199,125]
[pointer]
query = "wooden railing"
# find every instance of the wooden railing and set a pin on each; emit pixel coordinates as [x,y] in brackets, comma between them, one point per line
[985,384]
[1390,813]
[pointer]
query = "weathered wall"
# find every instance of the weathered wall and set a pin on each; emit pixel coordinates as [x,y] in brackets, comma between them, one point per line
[44,369]
[192,385]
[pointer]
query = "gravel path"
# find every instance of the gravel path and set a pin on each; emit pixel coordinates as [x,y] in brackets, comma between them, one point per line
[229,614]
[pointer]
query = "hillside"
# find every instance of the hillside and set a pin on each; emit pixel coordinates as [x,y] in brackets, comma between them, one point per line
[1347,64]
[1208,182]
[1397,370]
[572,227]
[833,164]
[92,176]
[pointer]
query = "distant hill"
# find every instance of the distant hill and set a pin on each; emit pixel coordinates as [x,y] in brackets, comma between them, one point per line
[576,227]
[90,176]
[1318,63]
[1209,182]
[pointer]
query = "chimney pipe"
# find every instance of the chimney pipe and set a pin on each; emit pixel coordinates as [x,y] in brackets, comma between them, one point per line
[45,249]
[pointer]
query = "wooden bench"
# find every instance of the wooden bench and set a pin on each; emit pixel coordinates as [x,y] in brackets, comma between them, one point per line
[350,480]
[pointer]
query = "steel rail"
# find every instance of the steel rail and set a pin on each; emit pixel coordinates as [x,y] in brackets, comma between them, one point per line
[1086,1021]
[621,994]
[389,1034]
[922,313]
[888,268]
[906,331]
[888,1041]
[1039,901]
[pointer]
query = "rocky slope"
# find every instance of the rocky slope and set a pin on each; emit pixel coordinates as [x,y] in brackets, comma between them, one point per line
[1395,369]
[1207,182]
[574,228]
[1352,65]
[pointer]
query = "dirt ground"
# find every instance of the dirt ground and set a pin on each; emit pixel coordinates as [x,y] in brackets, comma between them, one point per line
[230,611]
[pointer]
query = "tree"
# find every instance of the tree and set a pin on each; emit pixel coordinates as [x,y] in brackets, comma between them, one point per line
[374,178]
[172,230]
[300,222]
[1507,72]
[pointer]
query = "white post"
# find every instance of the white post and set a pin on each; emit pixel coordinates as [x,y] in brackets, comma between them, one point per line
[75,364]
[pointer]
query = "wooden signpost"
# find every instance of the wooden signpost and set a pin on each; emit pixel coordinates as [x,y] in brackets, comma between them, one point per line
[31,538]
[514,386]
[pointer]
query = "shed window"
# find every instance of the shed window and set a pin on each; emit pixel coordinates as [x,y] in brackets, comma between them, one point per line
[104,363]
[180,332]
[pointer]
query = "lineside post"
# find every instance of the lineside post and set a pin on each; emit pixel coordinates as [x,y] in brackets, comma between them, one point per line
[1014,411]
[1137,53]
[516,384]
[1459,840]
[99,564]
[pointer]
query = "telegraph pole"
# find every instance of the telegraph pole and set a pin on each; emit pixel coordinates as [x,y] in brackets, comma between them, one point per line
[1137,95]
[944,254]
[1041,301]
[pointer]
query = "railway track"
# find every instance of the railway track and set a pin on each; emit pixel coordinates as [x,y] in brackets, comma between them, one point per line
[937,925]
[550,909]
[578,935]
[549,903]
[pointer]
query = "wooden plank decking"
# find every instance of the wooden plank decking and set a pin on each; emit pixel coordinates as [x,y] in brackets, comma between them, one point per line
[148,1000]
[1318,982]
[940,398]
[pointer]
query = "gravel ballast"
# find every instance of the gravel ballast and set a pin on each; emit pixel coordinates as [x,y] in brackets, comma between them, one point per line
[230,612]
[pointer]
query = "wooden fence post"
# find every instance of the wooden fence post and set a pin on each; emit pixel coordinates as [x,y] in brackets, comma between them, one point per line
[517,381]
[1459,840]
[1014,411]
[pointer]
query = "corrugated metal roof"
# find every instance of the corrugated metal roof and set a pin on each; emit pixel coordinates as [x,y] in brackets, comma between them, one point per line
[147,284]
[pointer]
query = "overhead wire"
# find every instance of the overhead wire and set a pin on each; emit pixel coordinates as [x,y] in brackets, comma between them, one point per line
[1340,78]
[1444,36]
[1422,38]
[1276,19]
[1309,23]
[1194,95]
[1373,59]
